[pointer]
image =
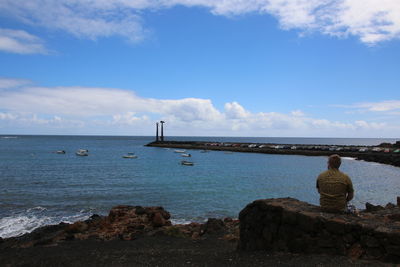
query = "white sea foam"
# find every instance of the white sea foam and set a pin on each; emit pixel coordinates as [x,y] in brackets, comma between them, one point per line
[22,224]
[179,221]
[9,137]
[19,225]
[348,158]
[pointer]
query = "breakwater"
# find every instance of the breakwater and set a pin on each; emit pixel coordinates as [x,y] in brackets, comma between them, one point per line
[384,153]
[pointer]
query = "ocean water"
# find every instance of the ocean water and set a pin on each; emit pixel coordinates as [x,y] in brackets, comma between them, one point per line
[39,187]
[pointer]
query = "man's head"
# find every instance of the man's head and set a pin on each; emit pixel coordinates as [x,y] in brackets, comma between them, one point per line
[334,161]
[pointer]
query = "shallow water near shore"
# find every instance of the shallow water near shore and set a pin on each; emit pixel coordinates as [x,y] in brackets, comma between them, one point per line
[40,187]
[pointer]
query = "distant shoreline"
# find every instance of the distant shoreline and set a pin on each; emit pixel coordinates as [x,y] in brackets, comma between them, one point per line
[390,158]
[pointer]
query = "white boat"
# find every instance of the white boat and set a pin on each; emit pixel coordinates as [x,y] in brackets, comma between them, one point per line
[187,163]
[60,152]
[204,151]
[82,152]
[186,155]
[179,151]
[130,155]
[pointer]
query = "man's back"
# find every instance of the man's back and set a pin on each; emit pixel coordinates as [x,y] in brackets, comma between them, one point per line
[333,186]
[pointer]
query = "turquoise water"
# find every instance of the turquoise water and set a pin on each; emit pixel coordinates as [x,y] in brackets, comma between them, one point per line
[40,187]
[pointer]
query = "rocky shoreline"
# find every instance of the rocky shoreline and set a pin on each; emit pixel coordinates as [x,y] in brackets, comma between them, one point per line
[384,153]
[144,236]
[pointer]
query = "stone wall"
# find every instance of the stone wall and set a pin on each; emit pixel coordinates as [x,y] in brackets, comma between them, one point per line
[291,225]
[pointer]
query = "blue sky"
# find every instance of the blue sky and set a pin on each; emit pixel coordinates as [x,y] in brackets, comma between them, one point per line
[214,68]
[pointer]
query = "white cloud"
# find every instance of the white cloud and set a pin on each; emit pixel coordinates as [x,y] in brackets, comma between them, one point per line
[83,19]
[388,107]
[107,110]
[129,118]
[383,106]
[372,21]
[9,83]
[20,42]
[235,111]
[7,116]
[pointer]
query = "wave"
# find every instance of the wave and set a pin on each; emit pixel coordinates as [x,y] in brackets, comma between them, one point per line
[18,225]
[8,137]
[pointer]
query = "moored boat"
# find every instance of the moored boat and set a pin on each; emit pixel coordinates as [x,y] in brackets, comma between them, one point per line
[130,155]
[82,152]
[187,163]
[186,155]
[179,151]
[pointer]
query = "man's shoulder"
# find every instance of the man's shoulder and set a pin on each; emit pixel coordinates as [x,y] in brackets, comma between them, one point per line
[344,174]
[323,174]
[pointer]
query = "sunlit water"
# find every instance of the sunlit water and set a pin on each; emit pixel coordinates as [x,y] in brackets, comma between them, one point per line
[39,187]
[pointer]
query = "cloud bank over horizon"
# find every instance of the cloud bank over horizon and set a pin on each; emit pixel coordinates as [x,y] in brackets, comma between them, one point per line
[371,21]
[85,110]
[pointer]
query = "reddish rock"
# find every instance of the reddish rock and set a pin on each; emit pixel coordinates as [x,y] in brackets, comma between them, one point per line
[213,226]
[355,252]
[158,220]
[77,227]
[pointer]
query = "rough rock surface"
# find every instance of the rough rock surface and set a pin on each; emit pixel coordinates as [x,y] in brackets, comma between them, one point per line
[125,223]
[290,225]
[137,236]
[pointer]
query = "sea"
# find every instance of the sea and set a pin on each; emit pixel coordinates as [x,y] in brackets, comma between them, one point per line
[40,187]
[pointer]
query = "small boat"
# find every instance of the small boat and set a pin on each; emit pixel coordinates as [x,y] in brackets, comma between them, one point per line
[204,151]
[179,151]
[228,152]
[187,163]
[186,155]
[82,152]
[130,155]
[60,152]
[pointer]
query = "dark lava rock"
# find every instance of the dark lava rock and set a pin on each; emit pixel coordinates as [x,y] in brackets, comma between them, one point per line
[370,207]
[213,226]
[140,210]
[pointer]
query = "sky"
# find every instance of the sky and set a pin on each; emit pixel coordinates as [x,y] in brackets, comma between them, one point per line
[264,68]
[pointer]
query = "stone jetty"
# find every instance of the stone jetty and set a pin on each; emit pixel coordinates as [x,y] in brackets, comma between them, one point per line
[385,153]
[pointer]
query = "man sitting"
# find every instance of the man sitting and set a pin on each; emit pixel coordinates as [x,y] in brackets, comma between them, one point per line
[335,187]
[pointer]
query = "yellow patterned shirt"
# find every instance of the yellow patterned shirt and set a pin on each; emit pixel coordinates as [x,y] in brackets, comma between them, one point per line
[334,186]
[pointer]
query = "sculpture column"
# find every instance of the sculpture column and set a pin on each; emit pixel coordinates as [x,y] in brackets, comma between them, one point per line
[162,130]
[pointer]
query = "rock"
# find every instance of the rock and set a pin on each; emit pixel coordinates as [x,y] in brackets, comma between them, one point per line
[369,241]
[77,227]
[290,225]
[355,252]
[390,206]
[369,207]
[213,226]
[140,210]
[394,217]
[158,220]
[94,217]
[195,235]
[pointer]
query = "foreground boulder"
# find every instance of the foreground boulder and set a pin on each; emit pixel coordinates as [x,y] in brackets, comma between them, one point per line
[291,225]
